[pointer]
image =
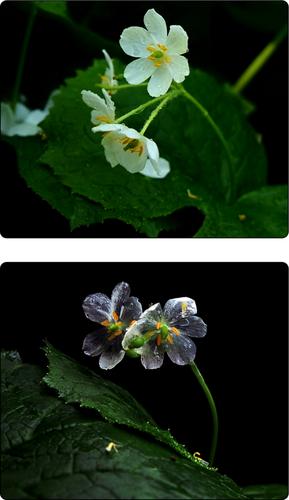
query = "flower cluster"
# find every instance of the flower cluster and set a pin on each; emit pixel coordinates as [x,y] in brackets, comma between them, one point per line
[124,328]
[159,58]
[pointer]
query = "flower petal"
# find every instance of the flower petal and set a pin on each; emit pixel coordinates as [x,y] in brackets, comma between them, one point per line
[110,359]
[94,101]
[163,169]
[156,25]
[177,41]
[24,129]
[110,105]
[110,70]
[120,294]
[95,342]
[151,356]
[179,68]
[160,81]
[21,112]
[138,71]
[97,307]
[177,309]
[36,116]
[195,327]
[131,333]
[131,310]
[150,317]
[7,118]
[110,151]
[182,351]
[135,40]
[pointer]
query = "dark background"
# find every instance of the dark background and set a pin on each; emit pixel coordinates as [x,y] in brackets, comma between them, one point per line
[224,37]
[243,358]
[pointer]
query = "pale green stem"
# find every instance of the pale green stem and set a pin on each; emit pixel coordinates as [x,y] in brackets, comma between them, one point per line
[139,109]
[19,74]
[213,412]
[156,111]
[120,87]
[218,132]
[259,62]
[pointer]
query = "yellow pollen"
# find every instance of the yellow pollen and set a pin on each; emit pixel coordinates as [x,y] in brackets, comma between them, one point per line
[151,48]
[162,47]
[115,316]
[158,325]
[105,322]
[170,339]
[103,118]
[175,330]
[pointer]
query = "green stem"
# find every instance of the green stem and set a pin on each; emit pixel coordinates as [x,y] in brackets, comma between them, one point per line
[139,109]
[156,111]
[120,87]
[213,411]
[218,132]
[19,74]
[258,63]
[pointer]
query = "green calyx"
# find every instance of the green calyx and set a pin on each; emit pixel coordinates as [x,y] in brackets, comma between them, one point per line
[137,342]
[114,327]
[132,353]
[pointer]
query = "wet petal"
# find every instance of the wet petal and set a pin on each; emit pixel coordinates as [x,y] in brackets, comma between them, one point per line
[24,129]
[94,101]
[150,317]
[179,309]
[36,116]
[179,68]
[95,342]
[131,333]
[131,310]
[138,71]
[195,327]
[177,41]
[21,112]
[156,25]
[7,118]
[110,69]
[151,356]
[110,151]
[110,359]
[182,351]
[110,105]
[97,307]
[163,169]
[119,296]
[160,81]
[135,40]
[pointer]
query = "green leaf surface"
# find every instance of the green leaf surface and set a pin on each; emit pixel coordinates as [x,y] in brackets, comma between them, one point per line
[196,154]
[267,491]
[64,453]
[78,384]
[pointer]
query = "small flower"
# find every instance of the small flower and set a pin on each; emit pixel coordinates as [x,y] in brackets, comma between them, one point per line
[169,330]
[159,53]
[114,316]
[126,147]
[103,109]
[109,77]
[23,121]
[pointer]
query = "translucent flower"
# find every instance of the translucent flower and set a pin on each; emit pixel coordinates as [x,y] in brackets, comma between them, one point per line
[103,109]
[159,53]
[169,330]
[22,121]
[113,316]
[109,77]
[126,147]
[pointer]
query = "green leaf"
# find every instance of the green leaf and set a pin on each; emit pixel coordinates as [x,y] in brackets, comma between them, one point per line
[58,7]
[196,155]
[60,452]
[267,491]
[77,384]
[259,214]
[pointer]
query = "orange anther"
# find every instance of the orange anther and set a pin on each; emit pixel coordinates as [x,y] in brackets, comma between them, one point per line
[170,339]
[115,315]
[115,334]
[162,47]
[158,325]
[133,322]
[175,330]
[105,323]
[151,48]
[159,340]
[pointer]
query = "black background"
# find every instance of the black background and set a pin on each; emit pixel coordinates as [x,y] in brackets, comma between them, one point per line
[224,37]
[243,358]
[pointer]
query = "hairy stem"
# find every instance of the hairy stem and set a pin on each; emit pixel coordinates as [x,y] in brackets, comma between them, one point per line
[140,108]
[156,111]
[253,69]
[120,87]
[213,411]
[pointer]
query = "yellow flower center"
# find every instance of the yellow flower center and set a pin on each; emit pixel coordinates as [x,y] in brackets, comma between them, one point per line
[158,54]
[132,145]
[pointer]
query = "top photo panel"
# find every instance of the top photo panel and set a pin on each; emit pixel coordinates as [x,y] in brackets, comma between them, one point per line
[144,119]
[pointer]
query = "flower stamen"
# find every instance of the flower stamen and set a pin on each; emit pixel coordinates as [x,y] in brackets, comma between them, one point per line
[115,316]
[159,340]
[105,323]
[175,330]
[115,334]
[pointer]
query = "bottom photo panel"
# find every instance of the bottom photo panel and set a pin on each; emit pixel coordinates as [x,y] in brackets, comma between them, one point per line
[144,380]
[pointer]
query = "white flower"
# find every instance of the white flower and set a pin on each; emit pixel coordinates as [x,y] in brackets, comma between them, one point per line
[103,109]
[159,53]
[109,78]
[23,121]
[126,147]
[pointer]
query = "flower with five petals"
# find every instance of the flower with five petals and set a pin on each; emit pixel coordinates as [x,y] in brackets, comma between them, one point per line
[103,109]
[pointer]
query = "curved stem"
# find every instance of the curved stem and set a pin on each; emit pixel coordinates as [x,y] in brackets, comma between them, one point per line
[253,69]
[213,411]
[19,74]
[218,132]
[120,87]
[140,108]
[156,111]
